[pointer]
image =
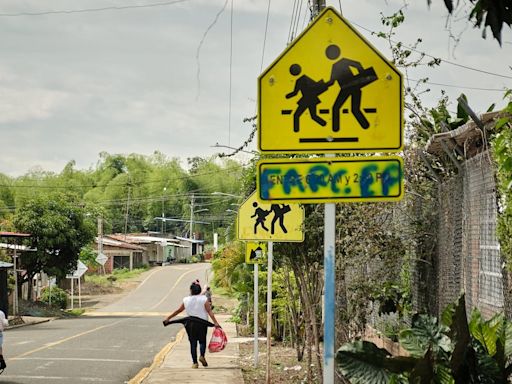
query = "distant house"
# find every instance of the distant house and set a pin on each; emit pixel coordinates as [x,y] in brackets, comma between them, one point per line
[121,254]
[158,250]
[196,247]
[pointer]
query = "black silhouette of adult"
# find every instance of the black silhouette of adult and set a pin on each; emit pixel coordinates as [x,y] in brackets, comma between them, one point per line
[310,89]
[350,85]
[260,215]
[278,215]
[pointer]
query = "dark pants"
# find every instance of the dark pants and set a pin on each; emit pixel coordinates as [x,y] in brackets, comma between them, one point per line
[193,348]
[196,333]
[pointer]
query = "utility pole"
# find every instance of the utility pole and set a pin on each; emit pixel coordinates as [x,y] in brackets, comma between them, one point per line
[127,210]
[191,216]
[100,240]
[163,211]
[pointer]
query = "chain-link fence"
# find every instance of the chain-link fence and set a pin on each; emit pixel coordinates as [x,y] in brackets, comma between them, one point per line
[468,249]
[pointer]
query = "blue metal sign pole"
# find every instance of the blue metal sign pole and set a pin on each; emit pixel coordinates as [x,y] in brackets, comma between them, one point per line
[329,291]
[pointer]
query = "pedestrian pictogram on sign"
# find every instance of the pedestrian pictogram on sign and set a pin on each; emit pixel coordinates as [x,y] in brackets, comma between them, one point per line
[270,222]
[330,90]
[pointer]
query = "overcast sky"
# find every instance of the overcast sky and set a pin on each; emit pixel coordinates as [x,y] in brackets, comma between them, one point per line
[74,84]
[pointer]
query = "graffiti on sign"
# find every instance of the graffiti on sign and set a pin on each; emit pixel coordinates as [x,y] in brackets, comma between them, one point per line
[331,180]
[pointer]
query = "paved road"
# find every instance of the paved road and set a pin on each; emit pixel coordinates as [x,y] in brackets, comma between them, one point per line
[109,346]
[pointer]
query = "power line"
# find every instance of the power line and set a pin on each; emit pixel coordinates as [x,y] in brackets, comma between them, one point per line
[291,21]
[203,38]
[458,86]
[297,19]
[434,57]
[84,10]
[230,72]
[265,36]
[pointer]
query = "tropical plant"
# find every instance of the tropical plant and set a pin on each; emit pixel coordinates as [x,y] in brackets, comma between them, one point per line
[447,351]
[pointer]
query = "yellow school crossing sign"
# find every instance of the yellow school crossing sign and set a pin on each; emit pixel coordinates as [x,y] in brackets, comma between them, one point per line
[255,252]
[330,91]
[259,221]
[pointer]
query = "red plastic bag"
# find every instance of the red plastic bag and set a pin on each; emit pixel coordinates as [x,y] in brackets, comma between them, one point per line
[218,341]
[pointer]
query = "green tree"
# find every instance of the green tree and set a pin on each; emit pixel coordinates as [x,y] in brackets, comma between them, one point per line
[59,228]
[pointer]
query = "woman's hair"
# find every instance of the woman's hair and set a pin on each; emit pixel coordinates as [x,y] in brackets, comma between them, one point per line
[195,289]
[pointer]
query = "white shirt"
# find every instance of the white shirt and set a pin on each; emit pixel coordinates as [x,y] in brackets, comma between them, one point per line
[194,305]
[3,321]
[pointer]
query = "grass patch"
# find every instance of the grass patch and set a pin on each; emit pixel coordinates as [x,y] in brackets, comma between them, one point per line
[75,312]
[118,275]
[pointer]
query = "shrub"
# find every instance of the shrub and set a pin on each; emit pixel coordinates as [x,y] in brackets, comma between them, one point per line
[59,297]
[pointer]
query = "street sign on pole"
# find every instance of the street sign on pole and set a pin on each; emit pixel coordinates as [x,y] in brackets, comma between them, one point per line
[259,221]
[255,252]
[101,259]
[81,268]
[330,91]
[326,180]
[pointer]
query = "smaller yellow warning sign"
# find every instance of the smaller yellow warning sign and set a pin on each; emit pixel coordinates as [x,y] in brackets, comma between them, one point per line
[260,221]
[255,252]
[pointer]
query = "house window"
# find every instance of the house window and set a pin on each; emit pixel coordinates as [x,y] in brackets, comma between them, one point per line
[121,262]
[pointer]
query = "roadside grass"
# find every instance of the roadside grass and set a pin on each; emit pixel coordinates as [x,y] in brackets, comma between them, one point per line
[118,275]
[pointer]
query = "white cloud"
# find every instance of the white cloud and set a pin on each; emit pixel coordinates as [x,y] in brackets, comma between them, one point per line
[74,85]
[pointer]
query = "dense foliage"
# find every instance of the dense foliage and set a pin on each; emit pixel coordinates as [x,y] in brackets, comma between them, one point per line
[59,230]
[446,351]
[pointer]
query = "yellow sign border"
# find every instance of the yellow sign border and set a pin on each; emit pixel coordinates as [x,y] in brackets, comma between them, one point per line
[331,149]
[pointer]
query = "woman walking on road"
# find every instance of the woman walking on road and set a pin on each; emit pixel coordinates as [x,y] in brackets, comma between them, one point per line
[196,323]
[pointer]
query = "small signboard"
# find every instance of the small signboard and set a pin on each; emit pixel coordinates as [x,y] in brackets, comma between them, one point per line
[259,221]
[255,252]
[101,259]
[330,180]
[81,268]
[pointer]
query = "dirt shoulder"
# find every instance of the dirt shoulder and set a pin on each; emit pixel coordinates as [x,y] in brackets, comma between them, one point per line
[284,367]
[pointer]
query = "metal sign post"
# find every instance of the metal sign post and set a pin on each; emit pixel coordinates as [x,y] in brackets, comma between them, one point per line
[256,311]
[15,300]
[254,254]
[329,291]
[72,292]
[269,307]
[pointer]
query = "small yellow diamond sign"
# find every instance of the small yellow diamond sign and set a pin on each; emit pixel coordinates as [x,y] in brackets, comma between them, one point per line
[255,253]
[330,91]
[259,221]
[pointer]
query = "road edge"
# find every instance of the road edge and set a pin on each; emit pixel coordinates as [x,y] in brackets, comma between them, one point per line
[158,360]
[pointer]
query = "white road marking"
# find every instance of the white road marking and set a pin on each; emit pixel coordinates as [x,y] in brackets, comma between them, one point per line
[174,286]
[125,314]
[76,359]
[74,379]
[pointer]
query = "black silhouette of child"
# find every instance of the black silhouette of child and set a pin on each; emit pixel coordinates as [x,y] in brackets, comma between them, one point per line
[310,90]
[260,215]
[278,215]
[350,85]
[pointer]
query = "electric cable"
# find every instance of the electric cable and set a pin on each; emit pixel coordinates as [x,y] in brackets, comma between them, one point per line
[84,10]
